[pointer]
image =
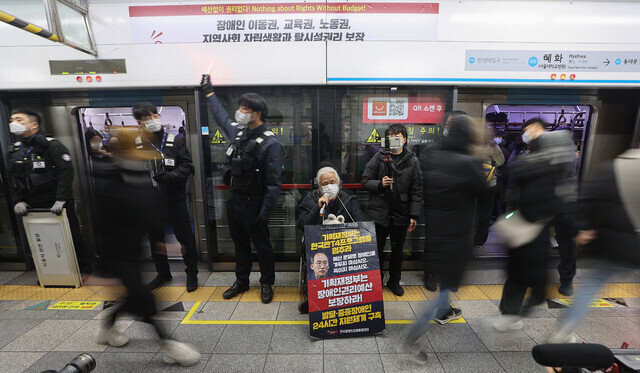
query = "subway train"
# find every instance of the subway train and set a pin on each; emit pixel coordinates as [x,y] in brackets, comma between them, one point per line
[333,79]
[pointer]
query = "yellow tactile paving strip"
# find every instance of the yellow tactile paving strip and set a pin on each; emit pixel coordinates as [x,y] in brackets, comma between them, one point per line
[281,293]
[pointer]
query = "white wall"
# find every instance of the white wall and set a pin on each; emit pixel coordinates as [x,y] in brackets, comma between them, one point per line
[460,26]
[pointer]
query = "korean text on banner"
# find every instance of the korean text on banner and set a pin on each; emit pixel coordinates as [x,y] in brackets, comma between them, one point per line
[344,284]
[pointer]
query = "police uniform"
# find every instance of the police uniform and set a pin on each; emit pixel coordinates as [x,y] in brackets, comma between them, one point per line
[169,171]
[40,173]
[253,174]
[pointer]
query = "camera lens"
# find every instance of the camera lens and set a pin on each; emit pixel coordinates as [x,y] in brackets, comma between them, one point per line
[84,363]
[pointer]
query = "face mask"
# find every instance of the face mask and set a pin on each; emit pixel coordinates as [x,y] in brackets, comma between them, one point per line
[17,128]
[395,148]
[445,132]
[96,146]
[497,140]
[331,190]
[153,125]
[242,118]
[526,137]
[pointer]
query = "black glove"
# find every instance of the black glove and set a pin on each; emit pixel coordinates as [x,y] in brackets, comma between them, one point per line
[164,177]
[205,85]
[262,220]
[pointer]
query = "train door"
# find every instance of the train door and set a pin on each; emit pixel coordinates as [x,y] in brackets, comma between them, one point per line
[99,129]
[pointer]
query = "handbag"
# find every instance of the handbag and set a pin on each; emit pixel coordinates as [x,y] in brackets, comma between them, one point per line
[516,230]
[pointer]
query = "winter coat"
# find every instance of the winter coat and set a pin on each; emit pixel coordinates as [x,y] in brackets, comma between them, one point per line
[453,181]
[308,209]
[405,200]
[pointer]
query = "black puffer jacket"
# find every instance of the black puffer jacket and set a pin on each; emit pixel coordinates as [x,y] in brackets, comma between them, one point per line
[308,210]
[405,201]
[452,182]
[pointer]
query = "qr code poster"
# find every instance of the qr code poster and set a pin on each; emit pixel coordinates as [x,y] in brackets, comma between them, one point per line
[419,110]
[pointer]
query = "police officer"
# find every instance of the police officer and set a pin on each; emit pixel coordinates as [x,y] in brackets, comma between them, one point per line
[394,178]
[252,172]
[169,172]
[41,175]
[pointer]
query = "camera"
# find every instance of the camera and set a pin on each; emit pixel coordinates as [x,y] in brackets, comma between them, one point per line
[390,142]
[84,363]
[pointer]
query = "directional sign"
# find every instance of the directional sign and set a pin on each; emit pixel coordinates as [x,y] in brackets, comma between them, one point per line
[550,60]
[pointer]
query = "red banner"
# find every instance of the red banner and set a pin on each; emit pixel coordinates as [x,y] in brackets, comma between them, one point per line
[282,8]
[347,290]
[418,110]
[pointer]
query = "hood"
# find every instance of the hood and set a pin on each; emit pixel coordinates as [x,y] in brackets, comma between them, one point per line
[460,134]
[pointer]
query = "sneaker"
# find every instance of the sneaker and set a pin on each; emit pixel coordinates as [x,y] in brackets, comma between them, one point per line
[266,293]
[411,347]
[235,289]
[505,323]
[562,335]
[553,242]
[112,337]
[303,307]
[566,288]
[160,280]
[192,282]
[430,283]
[180,353]
[395,287]
[454,314]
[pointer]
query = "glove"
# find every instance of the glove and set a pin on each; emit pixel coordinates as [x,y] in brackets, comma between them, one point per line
[205,85]
[163,177]
[262,220]
[21,208]
[57,207]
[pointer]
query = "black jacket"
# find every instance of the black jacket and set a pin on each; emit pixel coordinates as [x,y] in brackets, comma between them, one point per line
[606,208]
[270,156]
[405,201]
[179,165]
[36,183]
[453,180]
[308,210]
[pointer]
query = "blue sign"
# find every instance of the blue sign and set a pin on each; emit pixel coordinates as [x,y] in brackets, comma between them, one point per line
[472,60]
[533,61]
[618,61]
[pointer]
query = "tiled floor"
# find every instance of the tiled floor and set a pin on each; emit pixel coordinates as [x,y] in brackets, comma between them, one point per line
[244,335]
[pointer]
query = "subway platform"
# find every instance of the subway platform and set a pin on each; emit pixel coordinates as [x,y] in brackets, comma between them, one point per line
[243,335]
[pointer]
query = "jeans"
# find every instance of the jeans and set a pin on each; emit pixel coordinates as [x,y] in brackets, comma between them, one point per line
[439,308]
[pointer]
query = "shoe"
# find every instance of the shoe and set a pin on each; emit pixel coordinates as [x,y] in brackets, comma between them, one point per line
[192,282]
[303,307]
[478,247]
[180,353]
[412,348]
[266,294]
[394,286]
[430,283]
[562,335]
[454,314]
[160,280]
[505,323]
[553,242]
[566,288]
[112,337]
[235,289]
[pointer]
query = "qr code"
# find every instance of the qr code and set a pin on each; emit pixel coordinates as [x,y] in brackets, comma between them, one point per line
[396,109]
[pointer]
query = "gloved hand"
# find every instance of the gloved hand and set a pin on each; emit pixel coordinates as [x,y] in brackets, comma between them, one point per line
[205,85]
[163,177]
[57,207]
[21,208]
[262,220]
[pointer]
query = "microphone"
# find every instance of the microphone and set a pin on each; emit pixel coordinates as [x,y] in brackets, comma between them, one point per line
[579,355]
[323,205]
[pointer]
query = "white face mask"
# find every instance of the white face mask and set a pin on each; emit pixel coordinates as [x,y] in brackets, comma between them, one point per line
[96,146]
[153,125]
[242,118]
[331,190]
[497,140]
[445,132]
[526,137]
[17,128]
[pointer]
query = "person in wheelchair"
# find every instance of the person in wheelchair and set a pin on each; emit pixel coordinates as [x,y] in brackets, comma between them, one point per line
[316,205]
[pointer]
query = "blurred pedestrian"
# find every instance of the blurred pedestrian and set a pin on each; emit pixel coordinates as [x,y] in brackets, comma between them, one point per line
[610,223]
[125,210]
[538,194]
[453,179]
